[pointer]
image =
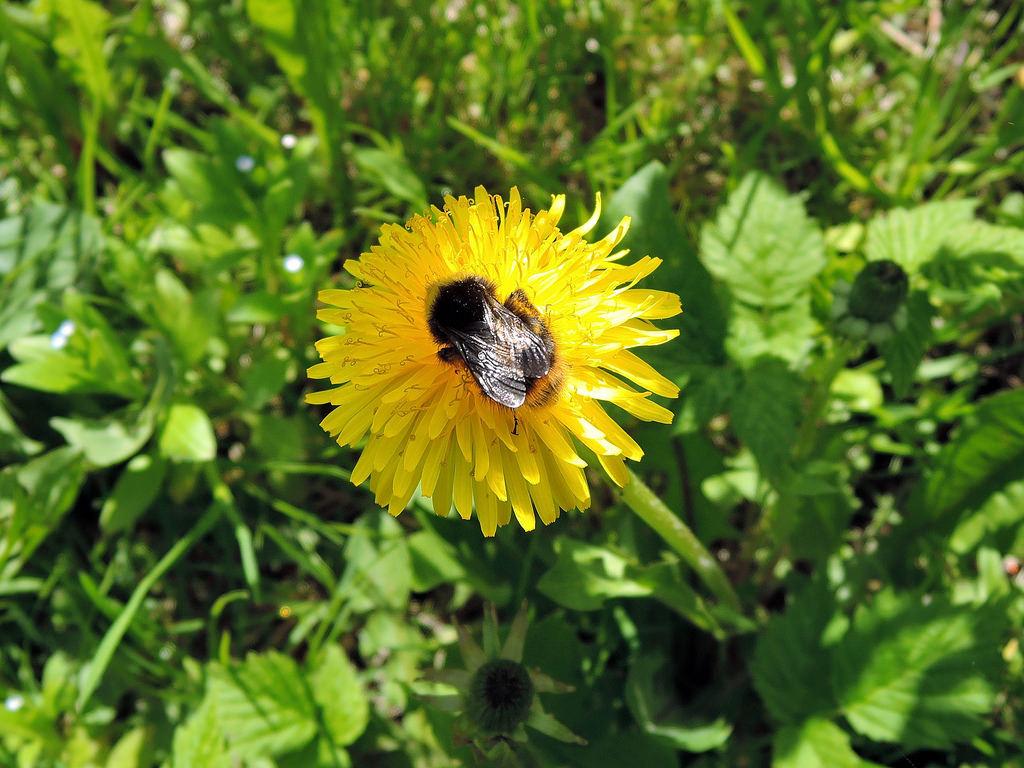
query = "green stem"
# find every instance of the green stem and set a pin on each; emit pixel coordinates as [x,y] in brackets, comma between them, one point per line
[653,511]
[87,160]
[841,354]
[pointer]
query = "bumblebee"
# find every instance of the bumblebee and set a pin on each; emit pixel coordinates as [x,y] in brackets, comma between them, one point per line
[506,347]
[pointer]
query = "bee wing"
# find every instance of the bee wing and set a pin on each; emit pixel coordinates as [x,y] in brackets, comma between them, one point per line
[493,363]
[526,347]
[534,359]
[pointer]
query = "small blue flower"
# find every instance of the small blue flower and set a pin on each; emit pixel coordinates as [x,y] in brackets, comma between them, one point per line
[14,702]
[293,263]
[59,338]
[244,163]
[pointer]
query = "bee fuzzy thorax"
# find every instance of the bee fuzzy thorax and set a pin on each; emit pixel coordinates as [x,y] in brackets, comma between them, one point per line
[506,346]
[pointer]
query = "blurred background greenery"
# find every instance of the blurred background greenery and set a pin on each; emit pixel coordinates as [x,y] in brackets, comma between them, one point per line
[177,180]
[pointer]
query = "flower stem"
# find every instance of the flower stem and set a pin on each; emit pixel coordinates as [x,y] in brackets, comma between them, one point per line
[653,511]
[841,355]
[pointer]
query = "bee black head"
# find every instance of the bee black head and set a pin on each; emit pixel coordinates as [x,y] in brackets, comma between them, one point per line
[459,305]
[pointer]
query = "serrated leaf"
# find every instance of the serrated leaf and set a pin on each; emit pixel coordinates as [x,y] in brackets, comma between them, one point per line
[767,411]
[339,692]
[763,245]
[790,666]
[998,522]
[199,742]
[975,255]
[912,237]
[903,351]
[984,456]
[783,332]
[136,488]
[815,743]
[921,675]
[187,434]
[263,705]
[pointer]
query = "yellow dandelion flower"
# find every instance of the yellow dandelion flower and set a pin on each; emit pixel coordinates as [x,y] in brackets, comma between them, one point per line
[479,342]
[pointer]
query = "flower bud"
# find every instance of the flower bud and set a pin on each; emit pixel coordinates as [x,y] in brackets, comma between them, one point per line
[500,695]
[879,291]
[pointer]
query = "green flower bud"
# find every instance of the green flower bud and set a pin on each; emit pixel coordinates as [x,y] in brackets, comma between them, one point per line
[878,291]
[500,695]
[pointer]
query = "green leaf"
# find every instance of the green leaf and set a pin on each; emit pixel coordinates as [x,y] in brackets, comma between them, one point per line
[79,367]
[784,332]
[137,487]
[187,434]
[339,692]
[199,743]
[912,237]
[986,454]
[81,31]
[815,743]
[904,350]
[305,38]
[921,675]
[263,705]
[434,561]
[107,441]
[763,245]
[654,701]
[43,252]
[767,412]
[265,378]
[34,497]
[391,171]
[13,442]
[976,254]
[378,552]
[584,577]
[257,307]
[96,668]
[133,750]
[208,183]
[654,231]
[998,522]
[188,320]
[790,666]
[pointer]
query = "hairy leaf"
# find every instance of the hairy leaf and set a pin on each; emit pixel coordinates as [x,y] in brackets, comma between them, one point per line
[815,743]
[263,705]
[763,245]
[916,673]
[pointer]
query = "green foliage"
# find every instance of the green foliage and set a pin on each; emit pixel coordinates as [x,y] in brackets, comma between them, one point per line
[187,577]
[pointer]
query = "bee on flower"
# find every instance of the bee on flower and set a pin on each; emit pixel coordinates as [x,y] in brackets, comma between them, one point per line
[479,346]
